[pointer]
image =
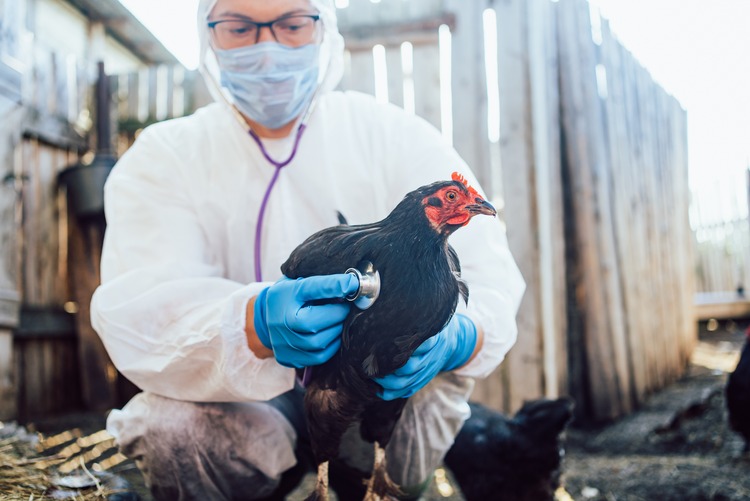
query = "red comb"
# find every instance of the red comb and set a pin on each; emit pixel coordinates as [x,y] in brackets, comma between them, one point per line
[458,177]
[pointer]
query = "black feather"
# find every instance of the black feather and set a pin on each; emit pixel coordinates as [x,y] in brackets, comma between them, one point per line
[738,396]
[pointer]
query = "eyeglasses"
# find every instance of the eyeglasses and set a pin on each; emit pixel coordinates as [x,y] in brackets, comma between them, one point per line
[294,31]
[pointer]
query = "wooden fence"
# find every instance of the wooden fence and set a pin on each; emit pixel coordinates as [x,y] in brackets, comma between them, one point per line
[150,95]
[722,234]
[44,350]
[588,155]
[55,362]
[591,179]
[627,209]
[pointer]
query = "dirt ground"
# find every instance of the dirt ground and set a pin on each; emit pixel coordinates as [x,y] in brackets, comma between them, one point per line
[676,447]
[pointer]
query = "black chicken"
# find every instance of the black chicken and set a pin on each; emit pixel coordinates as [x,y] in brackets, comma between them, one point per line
[738,394]
[420,286]
[516,459]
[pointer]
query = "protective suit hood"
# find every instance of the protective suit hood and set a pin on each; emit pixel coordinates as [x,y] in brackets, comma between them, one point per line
[331,51]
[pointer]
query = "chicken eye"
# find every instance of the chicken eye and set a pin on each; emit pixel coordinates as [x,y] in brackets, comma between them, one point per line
[451,195]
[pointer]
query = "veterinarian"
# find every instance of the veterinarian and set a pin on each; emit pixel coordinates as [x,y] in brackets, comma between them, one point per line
[201,213]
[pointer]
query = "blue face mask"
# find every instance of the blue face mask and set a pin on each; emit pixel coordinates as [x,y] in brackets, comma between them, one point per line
[271,83]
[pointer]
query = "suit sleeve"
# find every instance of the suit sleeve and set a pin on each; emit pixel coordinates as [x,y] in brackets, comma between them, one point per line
[169,321]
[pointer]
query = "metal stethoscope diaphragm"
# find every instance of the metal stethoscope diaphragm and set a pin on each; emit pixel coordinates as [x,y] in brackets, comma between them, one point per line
[369,285]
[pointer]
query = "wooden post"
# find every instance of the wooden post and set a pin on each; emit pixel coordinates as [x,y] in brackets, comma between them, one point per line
[11,25]
[545,105]
[86,238]
[10,136]
[625,205]
[98,375]
[469,87]
[525,362]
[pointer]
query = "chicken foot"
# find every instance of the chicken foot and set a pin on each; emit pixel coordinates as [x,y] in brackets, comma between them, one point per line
[380,487]
[321,487]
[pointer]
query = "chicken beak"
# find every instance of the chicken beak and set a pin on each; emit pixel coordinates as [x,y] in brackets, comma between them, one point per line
[481,206]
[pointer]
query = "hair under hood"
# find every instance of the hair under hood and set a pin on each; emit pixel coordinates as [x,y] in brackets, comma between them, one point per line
[331,51]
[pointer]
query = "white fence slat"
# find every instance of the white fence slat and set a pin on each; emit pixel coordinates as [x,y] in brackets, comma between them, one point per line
[427,83]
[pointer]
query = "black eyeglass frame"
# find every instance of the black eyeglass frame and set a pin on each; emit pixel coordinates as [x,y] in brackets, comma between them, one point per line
[260,26]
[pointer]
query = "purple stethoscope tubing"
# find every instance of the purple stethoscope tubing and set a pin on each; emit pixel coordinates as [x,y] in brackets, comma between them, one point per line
[306,375]
[267,195]
[276,164]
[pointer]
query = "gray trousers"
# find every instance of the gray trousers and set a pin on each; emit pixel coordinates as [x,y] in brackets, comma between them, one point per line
[258,450]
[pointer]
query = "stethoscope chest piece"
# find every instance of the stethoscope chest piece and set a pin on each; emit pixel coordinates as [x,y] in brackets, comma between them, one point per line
[369,285]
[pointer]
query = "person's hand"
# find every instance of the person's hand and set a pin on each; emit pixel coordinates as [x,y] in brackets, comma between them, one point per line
[449,349]
[291,320]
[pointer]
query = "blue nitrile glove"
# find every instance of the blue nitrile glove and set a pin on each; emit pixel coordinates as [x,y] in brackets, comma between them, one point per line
[447,350]
[302,334]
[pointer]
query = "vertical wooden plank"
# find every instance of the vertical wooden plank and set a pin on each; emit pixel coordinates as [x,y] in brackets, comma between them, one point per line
[675,185]
[74,104]
[667,187]
[84,88]
[470,137]
[61,87]
[153,96]
[597,287]
[525,362]
[10,149]
[8,408]
[31,153]
[25,379]
[395,75]
[143,95]
[617,162]
[51,287]
[684,235]
[611,273]
[362,72]
[162,92]
[179,104]
[45,369]
[622,206]
[544,101]
[427,83]
[35,378]
[37,82]
[97,374]
[346,78]
[654,290]
[170,87]
[133,96]
[639,243]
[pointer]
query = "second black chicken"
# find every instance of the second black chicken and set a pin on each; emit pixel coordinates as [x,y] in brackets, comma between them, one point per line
[514,459]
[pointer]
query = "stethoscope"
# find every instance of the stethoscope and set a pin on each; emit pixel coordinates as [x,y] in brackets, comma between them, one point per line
[278,165]
[365,272]
[367,276]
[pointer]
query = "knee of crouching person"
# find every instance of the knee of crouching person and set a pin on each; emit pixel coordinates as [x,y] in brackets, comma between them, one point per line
[188,450]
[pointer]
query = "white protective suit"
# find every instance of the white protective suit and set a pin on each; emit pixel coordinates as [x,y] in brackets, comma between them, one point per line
[182,207]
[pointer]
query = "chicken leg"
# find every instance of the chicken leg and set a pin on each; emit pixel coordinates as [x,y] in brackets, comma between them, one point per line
[321,487]
[329,414]
[380,487]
